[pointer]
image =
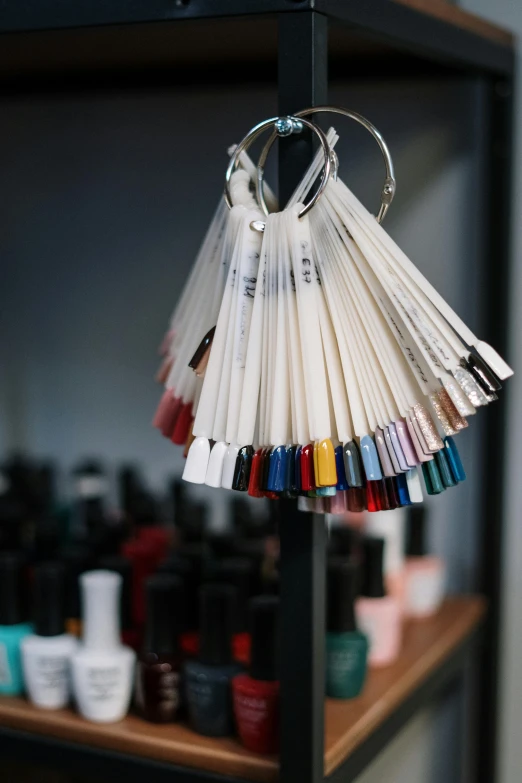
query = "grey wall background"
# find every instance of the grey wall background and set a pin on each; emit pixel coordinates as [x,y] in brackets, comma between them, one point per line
[105,199]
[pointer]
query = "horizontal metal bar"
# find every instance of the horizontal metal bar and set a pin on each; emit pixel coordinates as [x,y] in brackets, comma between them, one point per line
[407,29]
[430,689]
[403,27]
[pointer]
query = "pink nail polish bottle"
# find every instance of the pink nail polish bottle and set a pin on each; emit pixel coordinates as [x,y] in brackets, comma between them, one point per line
[425,575]
[378,614]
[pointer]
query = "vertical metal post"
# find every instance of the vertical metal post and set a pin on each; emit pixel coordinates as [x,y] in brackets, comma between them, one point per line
[498,189]
[302,82]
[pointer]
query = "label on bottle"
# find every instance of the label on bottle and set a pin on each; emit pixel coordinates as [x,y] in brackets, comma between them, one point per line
[103,683]
[5,671]
[51,672]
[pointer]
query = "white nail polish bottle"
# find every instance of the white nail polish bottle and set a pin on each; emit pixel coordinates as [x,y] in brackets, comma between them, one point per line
[46,654]
[425,575]
[102,668]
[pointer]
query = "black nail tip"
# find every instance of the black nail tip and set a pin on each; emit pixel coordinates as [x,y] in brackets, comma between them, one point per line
[482,374]
[202,347]
[242,469]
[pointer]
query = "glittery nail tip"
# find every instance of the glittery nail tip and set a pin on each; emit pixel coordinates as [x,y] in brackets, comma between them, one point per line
[427,427]
[470,387]
[457,421]
[441,414]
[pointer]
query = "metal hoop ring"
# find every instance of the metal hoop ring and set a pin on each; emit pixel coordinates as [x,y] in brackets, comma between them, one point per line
[389,187]
[295,123]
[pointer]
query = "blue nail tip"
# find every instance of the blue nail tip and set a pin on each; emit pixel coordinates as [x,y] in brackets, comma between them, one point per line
[454,461]
[342,482]
[372,466]
[444,469]
[277,470]
[352,465]
[290,478]
[402,489]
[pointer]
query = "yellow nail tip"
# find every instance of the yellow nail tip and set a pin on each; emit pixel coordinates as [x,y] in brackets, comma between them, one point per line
[324,463]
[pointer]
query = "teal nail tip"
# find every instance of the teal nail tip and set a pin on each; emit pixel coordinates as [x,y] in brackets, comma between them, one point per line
[342,481]
[242,469]
[325,492]
[370,459]
[454,461]
[432,478]
[352,465]
[444,469]
[277,470]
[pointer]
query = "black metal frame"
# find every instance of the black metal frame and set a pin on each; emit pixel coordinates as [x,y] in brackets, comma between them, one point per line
[303,81]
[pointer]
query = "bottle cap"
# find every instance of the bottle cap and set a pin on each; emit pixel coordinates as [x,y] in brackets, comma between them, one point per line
[164,596]
[240,573]
[344,540]
[100,603]
[342,589]
[373,579]
[77,559]
[189,567]
[217,618]
[122,566]
[264,629]
[49,599]
[415,544]
[11,589]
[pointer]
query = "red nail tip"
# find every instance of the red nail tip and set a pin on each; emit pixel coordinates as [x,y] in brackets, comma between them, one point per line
[169,422]
[392,493]
[254,483]
[161,410]
[307,468]
[356,499]
[182,425]
[383,496]
[373,498]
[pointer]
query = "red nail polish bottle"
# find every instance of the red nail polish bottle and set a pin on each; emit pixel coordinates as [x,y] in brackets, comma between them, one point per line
[239,572]
[144,559]
[256,695]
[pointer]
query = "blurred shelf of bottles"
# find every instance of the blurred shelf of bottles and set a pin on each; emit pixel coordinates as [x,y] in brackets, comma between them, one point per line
[144,605]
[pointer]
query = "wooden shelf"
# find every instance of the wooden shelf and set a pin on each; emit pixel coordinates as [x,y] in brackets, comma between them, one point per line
[427,646]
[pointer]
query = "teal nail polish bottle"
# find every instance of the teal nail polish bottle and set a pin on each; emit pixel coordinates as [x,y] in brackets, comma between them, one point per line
[12,626]
[346,647]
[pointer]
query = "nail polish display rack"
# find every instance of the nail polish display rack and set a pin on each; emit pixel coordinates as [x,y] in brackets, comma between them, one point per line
[300,45]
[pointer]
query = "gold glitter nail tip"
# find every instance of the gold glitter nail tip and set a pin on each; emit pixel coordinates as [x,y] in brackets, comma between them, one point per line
[457,396]
[441,414]
[428,428]
[457,421]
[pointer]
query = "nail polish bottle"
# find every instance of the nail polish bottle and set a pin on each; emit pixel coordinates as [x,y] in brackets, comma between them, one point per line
[46,654]
[77,559]
[159,665]
[207,680]
[390,525]
[13,624]
[102,668]
[346,646]
[256,694]
[425,575]
[144,558]
[238,572]
[130,634]
[378,614]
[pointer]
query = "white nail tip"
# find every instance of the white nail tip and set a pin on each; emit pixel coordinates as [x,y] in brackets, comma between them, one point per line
[229,466]
[215,464]
[197,461]
[501,368]
[414,486]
